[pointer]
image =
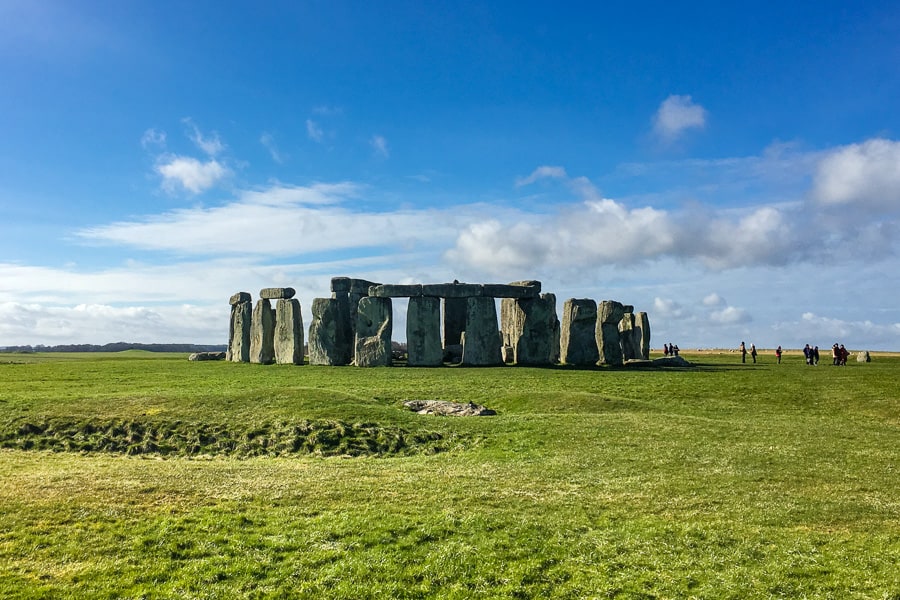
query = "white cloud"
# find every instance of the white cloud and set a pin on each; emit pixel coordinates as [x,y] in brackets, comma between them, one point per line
[268,141]
[730,315]
[313,131]
[676,115]
[542,172]
[153,137]
[865,175]
[282,221]
[211,144]
[379,145]
[714,300]
[667,308]
[191,174]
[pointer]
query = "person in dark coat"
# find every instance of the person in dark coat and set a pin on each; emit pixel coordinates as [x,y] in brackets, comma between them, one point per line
[743,350]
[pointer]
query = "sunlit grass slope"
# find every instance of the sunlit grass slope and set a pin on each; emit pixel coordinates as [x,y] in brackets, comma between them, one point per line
[143,475]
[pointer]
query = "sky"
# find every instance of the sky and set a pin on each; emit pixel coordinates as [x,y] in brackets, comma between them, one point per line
[734,171]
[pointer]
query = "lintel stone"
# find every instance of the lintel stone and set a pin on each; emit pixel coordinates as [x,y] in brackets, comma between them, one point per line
[340,284]
[394,290]
[512,290]
[239,297]
[452,290]
[277,293]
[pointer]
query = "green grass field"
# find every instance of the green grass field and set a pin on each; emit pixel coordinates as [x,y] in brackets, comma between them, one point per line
[146,476]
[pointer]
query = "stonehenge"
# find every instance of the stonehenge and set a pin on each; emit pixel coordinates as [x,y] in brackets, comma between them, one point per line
[455,322]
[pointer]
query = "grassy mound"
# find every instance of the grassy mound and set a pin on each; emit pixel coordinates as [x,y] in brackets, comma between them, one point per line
[180,438]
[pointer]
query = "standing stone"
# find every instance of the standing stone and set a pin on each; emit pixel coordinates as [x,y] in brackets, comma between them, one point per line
[642,325]
[423,332]
[341,348]
[528,327]
[578,344]
[374,321]
[481,342]
[324,343]
[609,315]
[627,337]
[288,332]
[239,328]
[454,320]
[262,333]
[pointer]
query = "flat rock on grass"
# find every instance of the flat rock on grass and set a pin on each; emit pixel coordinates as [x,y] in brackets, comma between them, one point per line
[671,361]
[452,409]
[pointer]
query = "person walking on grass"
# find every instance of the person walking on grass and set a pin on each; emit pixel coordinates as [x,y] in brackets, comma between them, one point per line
[815,354]
[753,352]
[778,355]
[743,350]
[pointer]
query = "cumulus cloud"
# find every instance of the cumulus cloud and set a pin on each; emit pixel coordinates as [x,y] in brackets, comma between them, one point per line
[714,300]
[730,315]
[865,175]
[677,114]
[379,145]
[667,308]
[191,174]
[313,131]
[210,144]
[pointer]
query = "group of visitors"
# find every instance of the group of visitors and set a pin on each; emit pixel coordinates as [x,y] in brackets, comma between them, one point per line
[743,350]
[811,354]
[839,355]
[670,349]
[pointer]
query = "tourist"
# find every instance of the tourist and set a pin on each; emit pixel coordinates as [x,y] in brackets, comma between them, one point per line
[753,352]
[665,350]
[835,355]
[807,352]
[743,350]
[778,355]
[675,350]
[815,353]
[844,355]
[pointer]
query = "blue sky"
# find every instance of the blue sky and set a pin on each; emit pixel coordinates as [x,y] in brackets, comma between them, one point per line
[733,171]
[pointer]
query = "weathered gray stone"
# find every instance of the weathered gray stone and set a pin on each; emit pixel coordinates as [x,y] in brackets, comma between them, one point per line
[518,289]
[239,332]
[609,345]
[578,344]
[423,332]
[324,344]
[345,327]
[627,337]
[453,352]
[361,286]
[452,290]
[374,322]
[240,297]
[642,332]
[481,342]
[288,332]
[200,356]
[454,321]
[262,333]
[554,345]
[395,290]
[340,284]
[528,327]
[447,408]
[277,293]
[863,356]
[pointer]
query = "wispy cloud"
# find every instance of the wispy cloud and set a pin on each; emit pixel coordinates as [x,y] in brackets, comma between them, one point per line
[866,176]
[314,131]
[190,174]
[153,138]
[268,141]
[210,144]
[676,115]
[542,172]
[379,145]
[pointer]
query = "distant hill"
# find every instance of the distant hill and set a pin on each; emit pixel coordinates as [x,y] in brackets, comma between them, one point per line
[117,347]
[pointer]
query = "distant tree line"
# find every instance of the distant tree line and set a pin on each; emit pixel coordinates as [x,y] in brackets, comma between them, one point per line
[117,347]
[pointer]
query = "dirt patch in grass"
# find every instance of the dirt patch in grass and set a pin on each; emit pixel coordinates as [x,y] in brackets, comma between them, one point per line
[181,438]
